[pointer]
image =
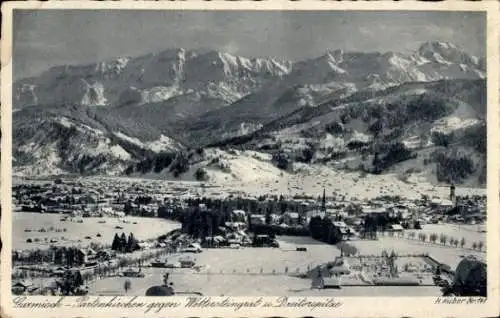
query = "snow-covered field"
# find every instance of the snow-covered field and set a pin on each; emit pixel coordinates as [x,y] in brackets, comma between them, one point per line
[248,285]
[226,274]
[471,233]
[444,254]
[143,229]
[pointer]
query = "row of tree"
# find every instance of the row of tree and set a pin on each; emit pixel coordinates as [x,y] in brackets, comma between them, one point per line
[123,245]
[67,256]
[445,240]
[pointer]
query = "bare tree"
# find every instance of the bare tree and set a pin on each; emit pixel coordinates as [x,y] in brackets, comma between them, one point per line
[462,242]
[442,239]
[480,245]
[451,240]
[127,285]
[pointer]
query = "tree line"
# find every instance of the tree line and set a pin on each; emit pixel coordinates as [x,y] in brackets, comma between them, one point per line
[123,245]
[444,240]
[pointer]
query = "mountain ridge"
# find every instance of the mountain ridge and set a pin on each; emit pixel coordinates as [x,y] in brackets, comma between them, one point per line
[125,110]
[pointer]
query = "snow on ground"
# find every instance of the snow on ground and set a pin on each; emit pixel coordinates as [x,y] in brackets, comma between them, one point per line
[119,152]
[46,160]
[161,144]
[68,123]
[311,181]
[144,229]
[187,281]
[412,142]
[450,124]
[245,169]
[243,129]
[159,93]
[132,140]
[41,168]
[94,94]
[227,167]
[444,254]
[471,233]
[358,136]
[225,273]
[104,146]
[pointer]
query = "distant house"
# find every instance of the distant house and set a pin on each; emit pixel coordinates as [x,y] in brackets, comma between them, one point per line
[107,210]
[76,214]
[21,287]
[187,262]
[275,218]
[343,229]
[236,225]
[119,214]
[374,210]
[132,273]
[81,256]
[396,228]
[442,204]
[239,215]
[291,218]
[339,224]
[257,219]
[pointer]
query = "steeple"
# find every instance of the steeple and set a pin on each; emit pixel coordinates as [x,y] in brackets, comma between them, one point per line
[452,193]
[323,201]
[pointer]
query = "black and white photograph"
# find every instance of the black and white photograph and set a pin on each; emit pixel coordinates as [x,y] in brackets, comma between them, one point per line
[249,153]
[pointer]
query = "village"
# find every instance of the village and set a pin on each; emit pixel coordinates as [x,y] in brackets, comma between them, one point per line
[121,236]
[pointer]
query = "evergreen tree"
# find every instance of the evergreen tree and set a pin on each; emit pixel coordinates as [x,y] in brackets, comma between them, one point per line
[377,163]
[268,215]
[249,221]
[58,256]
[116,245]
[127,209]
[70,256]
[132,244]
[123,242]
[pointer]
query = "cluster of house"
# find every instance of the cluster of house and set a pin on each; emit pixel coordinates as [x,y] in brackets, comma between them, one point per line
[89,198]
[92,197]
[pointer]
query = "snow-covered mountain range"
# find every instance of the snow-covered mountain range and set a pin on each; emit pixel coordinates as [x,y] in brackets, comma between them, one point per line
[150,79]
[107,116]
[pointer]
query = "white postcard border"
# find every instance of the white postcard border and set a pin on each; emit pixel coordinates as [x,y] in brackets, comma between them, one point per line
[350,306]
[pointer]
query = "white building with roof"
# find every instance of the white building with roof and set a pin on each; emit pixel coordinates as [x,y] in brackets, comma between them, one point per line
[291,218]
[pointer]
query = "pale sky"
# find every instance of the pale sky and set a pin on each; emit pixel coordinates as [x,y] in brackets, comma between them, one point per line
[46,38]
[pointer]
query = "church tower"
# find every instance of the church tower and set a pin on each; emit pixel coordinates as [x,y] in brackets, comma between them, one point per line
[452,193]
[323,201]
